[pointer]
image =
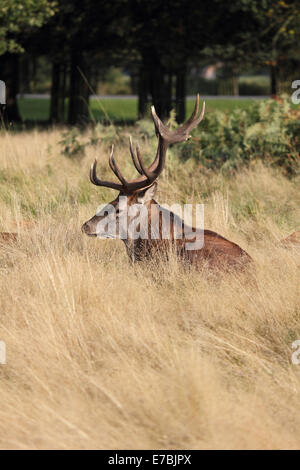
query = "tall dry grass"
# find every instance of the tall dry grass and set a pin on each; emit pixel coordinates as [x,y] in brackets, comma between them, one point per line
[101,354]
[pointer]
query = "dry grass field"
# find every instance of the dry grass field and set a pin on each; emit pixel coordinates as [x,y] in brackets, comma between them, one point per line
[102,354]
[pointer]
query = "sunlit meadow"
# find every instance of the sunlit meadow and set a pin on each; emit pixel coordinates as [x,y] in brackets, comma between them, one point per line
[103,354]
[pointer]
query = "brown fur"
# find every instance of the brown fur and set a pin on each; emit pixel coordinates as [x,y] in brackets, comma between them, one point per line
[217,252]
[291,240]
[7,237]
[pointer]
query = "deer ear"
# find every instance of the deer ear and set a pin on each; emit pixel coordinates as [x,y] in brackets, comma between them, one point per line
[146,194]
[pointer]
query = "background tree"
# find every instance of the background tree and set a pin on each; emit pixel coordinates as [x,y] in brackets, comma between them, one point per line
[166,35]
[158,42]
[283,43]
[17,19]
[169,36]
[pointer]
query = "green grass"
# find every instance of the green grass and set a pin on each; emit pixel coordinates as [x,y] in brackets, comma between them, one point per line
[117,109]
[221,105]
[34,109]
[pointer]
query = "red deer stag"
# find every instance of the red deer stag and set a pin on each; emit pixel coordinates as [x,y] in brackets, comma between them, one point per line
[13,237]
[7,237]
[291,240]
[215,252]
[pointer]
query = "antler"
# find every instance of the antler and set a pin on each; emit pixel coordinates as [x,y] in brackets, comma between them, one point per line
[182,133]
[150,174]
[134,158]
[95,180]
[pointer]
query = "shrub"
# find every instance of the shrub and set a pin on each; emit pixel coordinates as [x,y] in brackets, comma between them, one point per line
[267,130]
[74,148]
[71,146]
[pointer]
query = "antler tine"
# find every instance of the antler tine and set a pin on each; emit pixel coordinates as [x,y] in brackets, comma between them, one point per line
[140,166]
[114,167]
[193,115]
[93,175]
[133,156]
[95,180]
[182,133]
[146,171]
[111,160]
[157,122]
[194,123]
[139,163]
[191,123]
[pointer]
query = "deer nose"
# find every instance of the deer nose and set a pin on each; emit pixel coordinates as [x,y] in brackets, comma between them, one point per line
[85,227]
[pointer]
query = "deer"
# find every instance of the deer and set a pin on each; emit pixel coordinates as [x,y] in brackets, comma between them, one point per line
[13,237]
[8,237]
[292,240]
[215,250]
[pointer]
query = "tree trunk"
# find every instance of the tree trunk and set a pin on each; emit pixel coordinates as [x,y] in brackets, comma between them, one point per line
[180,94]
[84,90]
[235,80]
[55,88]
[24,74]
[62,93]
[142,92]
[274,81]
[155,74]
[155,88]
[156,80]
[10,75]
[168,92]
[78,112]
[73,92]
[57,105]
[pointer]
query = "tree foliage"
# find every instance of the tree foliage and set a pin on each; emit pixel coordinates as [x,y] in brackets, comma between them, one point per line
[21,16]
[159,40]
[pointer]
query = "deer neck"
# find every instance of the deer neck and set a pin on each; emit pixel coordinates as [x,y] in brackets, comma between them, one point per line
[151,231]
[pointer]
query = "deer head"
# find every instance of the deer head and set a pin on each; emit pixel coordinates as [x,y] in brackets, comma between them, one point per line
[141,190]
